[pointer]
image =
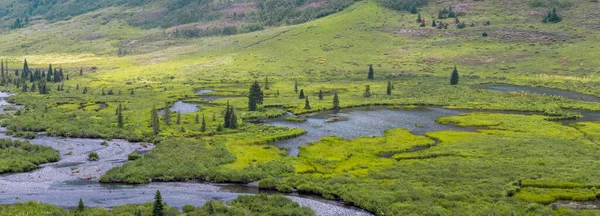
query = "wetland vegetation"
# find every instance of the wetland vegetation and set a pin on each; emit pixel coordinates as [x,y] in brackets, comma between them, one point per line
[205,90]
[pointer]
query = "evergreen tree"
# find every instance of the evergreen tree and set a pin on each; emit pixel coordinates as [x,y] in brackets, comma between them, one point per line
[178,118]
[131,92]
[24,87]
[307,104]
[197,119]
[214,118]
[157,206]
[451,13]
[455,77]
[367,91]
[120,116]
[80,205]
[154,121]
[301,96]
[25,72]
[419,19]
[296,87]
[227,116]
[552,16]
[2,68]
[167,114]
[33,87]
[336,102]
[255,97]
[232,121]
[267,83]
[138,212]
[371,73]
[433,24]
[389,88]
[80,71]
[203,126]
[413,9]
[49,75]
[320,94]
[85,90]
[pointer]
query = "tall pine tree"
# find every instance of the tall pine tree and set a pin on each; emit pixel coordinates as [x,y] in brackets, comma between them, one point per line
[120,116]
[167,114]
[301,96]
[336,102]
[389,88]
[454,78]
[371,75]
[154,121]
[307,104]
[203,126]
[255,97]
[157,206]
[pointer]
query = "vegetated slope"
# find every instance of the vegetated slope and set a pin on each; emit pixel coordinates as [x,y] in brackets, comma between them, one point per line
[22,156]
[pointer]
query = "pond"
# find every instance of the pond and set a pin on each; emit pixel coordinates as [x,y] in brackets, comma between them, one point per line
[537,90]
[182,108]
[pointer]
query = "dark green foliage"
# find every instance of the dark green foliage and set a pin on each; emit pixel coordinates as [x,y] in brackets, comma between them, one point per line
[367,91]
[371,74]
[157,205]
[320,94]
[336,102]
[21,156]
[454,78]
[552,17]
[301,96]
[18,24]
[255,97]
[203,127]
[296,87]
[188,208]
[167,113]
[93,156]
[419,19]
[134,156]
[154,121]
[197,119]
[178,121]
[433,24]
[307,104]
[233,123]
[80,205]
[267,83]
[389,88]
[405,5]
[120,122]
[451,13]
[485,34]
[461,25]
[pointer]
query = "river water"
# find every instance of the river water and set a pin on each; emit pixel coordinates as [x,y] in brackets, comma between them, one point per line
[64,182]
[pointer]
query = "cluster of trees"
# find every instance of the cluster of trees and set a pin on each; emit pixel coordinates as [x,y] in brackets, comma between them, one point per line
[446,13]
[20,23]
[230,118]
[31,80]
[406,5]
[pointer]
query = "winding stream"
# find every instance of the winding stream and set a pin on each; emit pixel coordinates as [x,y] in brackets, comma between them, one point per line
[64,182]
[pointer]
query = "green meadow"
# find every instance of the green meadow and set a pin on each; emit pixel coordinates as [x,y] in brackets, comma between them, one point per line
[509,164]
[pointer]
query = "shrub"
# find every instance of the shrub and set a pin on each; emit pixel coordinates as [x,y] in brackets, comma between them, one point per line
[104,143]
[188,208]
[134,156]
[93,156]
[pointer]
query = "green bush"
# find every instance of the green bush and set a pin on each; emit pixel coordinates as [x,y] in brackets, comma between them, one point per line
[22,156]
[134,156]
[93,156]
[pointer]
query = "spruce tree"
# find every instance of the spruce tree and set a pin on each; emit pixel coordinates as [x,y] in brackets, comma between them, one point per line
[80,205]
[33,87]
[85,90]
[433,24]
[154,121]
[131,92]
[233,124]
[389,88]
[197,119]
[24,89]
[157,206]
[25,72]
[419,19]
[367,91]
[203,126]
[267,83]
[336,102]
[455,77]
[301,96]
[320,94]
[227,116]
[255,97]
[167,114]
[178,118]
[80,71]
[307,104]
[120,116]
[296,87]
[451,13]
[552,16]
[371,75]
[49,74]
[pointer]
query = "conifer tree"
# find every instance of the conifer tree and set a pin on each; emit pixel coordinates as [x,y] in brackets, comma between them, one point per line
[131,92]
[454,78]
[232,121]
[227,116]
[214,117]
[389,88]
[138,212]
[197,119]
[120,116]
[433,24]
[301,96]
[203,126]
[451,13]
[178,118]
[80,205]
[296,87]
[371,73]
[167,114]
[267,83]
[367,91]
[307,104]
[419,19]
[24,89]
[25,69]
[552,16]
[154,121]
[49,75]
[320,94]
[33,87]
[77,87]
[336,102]
[80,71]
[255,97]
[85,90]
[157,206]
